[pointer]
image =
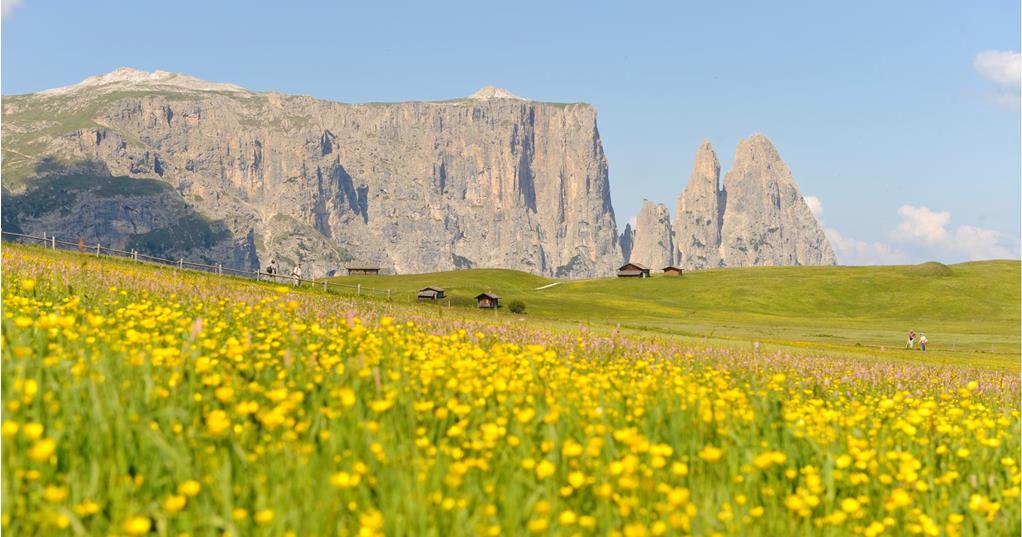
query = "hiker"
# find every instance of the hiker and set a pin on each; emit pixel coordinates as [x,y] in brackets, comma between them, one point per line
[911,339]
[272,267]
[922,342]
[296,273]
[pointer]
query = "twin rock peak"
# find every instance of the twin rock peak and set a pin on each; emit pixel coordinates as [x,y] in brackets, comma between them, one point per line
[758,217]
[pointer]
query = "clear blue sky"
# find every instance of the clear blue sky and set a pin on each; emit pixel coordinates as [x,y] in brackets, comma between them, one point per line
[874,105]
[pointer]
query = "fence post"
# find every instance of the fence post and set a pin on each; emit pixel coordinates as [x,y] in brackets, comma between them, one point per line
[44,237]
[97,248]
[53,243]
[358,290]
[219,269]
[181,263]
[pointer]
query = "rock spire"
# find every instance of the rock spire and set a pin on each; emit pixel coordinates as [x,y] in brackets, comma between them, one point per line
[653,245]
[759,217]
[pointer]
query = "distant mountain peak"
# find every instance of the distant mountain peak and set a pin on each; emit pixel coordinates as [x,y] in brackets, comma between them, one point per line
[126,78]
[493,92]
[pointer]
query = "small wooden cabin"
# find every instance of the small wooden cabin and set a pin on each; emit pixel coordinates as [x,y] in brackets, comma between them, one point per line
[431,293]
[363,270]
[488,300]
[633,270]
[673,271]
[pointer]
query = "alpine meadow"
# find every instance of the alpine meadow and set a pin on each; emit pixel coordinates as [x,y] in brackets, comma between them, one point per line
[518,269]
[135,403]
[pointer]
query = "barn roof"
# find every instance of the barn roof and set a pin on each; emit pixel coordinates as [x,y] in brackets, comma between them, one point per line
[633,266]
[438,289]
[491,296]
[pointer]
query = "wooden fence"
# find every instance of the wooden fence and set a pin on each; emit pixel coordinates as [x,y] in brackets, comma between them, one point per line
[219,269]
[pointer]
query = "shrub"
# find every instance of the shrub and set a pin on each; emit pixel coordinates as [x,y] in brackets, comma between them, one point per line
[516,306]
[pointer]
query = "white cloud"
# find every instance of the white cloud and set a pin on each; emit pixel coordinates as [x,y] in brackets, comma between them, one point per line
[851,251]
[1004,69]
[925,227]
[814,206]
[920,223]
[924,235]
[7,7]
[979,243]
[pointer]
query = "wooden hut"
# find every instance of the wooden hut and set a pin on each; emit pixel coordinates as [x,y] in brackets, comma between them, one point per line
[488,300]
[673,271]
[431,293]
[363,270]
[633,270]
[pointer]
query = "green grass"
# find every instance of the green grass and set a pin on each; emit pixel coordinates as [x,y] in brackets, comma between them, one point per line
[969,311]
[155,401]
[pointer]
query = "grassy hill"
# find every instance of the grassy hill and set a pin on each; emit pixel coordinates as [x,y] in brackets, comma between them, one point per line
[969,311]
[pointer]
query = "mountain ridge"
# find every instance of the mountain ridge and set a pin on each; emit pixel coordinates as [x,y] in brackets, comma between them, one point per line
[412,186]
[487,180]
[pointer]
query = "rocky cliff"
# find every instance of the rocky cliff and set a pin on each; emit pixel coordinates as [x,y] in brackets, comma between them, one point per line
[488,181]
[766,220]
[653,246]
[700,213]
[758,218]
[626,240]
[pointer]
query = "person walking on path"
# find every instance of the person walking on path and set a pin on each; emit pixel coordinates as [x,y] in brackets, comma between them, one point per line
[922,342]
[271,269]
[296,273]
[911,339]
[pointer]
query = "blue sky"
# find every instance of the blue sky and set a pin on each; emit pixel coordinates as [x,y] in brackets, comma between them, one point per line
[900,118]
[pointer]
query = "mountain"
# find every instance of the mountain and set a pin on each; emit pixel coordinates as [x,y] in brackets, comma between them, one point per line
[766,220]
[626,240]
[758,218]
[493,180]
[652,245]
[699,214]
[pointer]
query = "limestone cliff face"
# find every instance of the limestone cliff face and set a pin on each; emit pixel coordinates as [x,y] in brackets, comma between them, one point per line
[758,218]
[766,220]
[491,181]
[653,246]
[700,212]
[626,240]
[126,214]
